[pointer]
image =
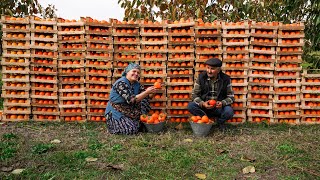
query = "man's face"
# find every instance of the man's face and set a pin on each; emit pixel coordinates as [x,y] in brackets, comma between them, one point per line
[212,71]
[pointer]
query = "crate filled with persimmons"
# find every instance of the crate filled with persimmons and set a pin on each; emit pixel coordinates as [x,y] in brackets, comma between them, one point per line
[310,90]
[208,43]
[155,122]
[15,68]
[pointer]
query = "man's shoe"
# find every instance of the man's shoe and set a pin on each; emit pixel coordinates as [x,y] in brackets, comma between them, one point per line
[222,127]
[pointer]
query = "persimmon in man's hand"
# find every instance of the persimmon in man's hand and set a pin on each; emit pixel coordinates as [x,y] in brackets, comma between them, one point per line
[212,102]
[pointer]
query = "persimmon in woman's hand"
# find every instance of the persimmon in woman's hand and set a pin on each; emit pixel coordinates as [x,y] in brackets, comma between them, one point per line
[157,85]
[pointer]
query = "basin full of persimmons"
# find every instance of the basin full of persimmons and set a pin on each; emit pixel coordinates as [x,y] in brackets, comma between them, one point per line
[155,122]
[201,126]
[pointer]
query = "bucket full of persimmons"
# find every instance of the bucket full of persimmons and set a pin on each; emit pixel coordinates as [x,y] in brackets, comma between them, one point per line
[201,126]
[154,123]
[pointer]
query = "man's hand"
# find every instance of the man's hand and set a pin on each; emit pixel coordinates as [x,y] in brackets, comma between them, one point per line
[207,105]
[219,104]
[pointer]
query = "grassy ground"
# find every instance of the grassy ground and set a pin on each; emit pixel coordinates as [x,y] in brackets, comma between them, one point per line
[276,152]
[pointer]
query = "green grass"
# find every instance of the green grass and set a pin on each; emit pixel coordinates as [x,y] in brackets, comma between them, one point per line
[277,152]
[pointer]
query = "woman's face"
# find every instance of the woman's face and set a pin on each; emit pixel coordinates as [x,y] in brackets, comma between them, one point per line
[133,75]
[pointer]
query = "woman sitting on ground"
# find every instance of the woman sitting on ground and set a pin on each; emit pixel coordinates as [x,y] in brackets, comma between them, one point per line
[128,100]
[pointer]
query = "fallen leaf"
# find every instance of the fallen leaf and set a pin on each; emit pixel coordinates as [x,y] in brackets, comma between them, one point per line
[17,171]
[248,169]
[201,176]
[6,169]
[56,141]
[248,158]
[221,151]
[188,140]
[179,127]
[116,167]
[91,159]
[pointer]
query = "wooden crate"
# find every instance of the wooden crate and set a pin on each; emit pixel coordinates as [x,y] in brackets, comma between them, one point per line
[291,33]
[152,64]
[257,88]
[181,57]
[182,39]
[15,93]
[74,38]
[98,95]
[287,120]
[13,20]
[292,27]
[237,120]
[44,36]
[285,42]
[99,29]
[310,104]
[180,80]
[98,88]
[126,40]
[286,98]
[93,71]
[310,120]
[263,97]
[262,50]
[154,48]
[44,78]
[256,73]
[152,80]
[208,50]
[153,56]
[179,72]
[45,94]
[17,110]
[21,54]
[253,104]
[257,112]
[15,117]
[96,118]
[297,50]
[16,36]
[99,64]
[233,25]
[154,40]
[98,80]
[99,56]
[179,89]
[235,42]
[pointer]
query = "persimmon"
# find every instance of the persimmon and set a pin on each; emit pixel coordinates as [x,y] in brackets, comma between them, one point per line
[212,102]
[157,85]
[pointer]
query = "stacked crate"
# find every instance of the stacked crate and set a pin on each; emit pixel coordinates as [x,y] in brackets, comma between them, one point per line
[43,69]
[15,68]
[71,38]
[235,64]
[310,98]
[154,41]
[126,43]
[98,67]
[208,43]
[263,45]
[287,73]
[180,69]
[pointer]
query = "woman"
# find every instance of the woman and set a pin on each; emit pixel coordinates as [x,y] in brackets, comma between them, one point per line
[128,100]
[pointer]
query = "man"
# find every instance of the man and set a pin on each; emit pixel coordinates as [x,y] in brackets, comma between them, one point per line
[213,84]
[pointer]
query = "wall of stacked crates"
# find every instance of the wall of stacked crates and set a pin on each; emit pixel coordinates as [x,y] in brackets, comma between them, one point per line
[63,70]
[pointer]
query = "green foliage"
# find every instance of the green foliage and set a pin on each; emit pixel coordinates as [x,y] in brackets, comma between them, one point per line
[41,148]
[24,8]
[8,146]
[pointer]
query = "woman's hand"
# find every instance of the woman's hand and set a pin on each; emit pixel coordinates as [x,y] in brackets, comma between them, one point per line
[150,90]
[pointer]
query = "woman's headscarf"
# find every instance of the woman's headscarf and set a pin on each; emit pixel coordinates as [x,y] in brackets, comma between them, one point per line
[130,67]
